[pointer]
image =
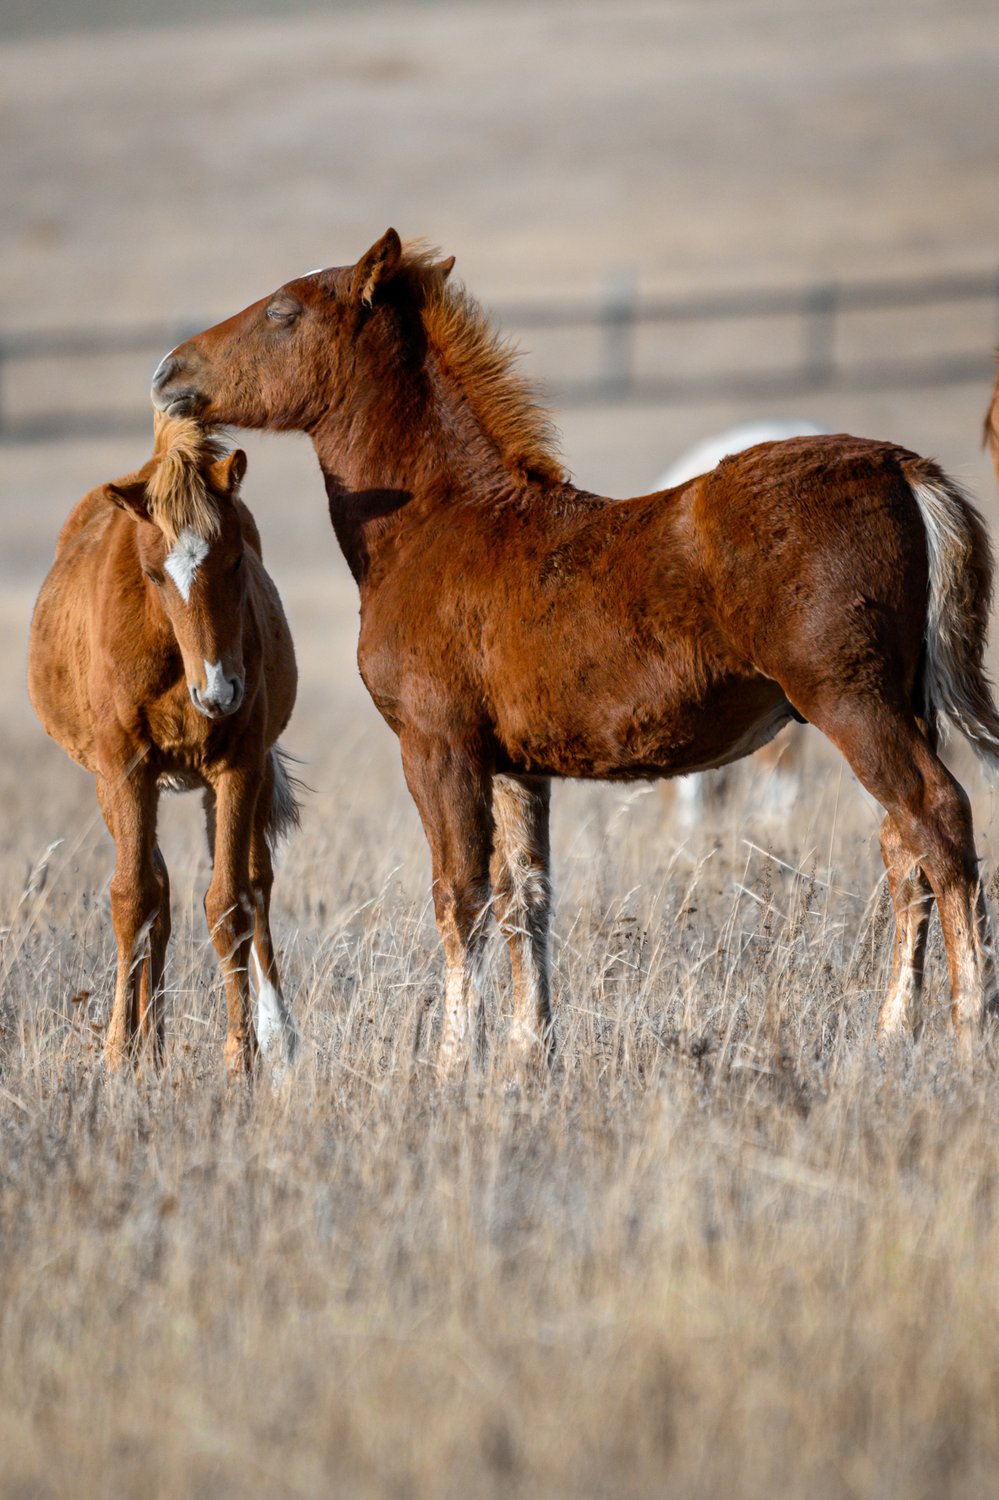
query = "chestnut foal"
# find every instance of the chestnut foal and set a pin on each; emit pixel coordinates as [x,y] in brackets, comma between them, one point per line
[160,656]
[515,628]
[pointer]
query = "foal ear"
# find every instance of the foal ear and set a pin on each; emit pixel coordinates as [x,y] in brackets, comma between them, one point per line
[227,473]
[443,268]
[129,494]
[377,265]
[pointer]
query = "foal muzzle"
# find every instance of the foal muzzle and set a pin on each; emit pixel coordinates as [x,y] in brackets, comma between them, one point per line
[168,392]
[219,698]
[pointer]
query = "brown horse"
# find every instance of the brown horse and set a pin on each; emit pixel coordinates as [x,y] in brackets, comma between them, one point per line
[515,628]
[159,657]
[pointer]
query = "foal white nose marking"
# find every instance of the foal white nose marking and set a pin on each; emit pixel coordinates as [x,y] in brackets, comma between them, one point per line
[182,563]
[218,688]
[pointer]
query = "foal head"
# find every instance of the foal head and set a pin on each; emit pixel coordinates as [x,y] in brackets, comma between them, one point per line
[189,543]
[279,362]
[356,353]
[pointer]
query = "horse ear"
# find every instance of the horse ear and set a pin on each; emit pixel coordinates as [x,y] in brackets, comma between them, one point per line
[443,268]
[227,473]
[129,494]
[377,265]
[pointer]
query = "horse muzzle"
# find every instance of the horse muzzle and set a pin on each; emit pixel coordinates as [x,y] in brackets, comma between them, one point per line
[171,391]
[220,697]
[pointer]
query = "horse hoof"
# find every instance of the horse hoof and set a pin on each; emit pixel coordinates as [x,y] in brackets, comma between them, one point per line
[240,1057]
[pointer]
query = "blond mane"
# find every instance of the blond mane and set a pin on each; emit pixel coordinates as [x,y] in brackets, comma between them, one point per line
[482,361]
[176,491]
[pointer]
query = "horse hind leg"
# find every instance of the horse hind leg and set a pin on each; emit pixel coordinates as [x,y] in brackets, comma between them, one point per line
[932,816]
[521,882]
[912,895]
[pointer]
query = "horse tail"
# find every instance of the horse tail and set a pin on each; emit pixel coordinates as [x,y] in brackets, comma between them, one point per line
[956,687]
[286,812]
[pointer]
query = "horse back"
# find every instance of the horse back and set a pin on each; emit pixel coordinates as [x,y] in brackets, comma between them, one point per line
[61,643]
[89,519]
[812,550]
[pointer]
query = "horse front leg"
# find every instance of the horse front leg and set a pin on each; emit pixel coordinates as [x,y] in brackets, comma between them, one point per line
[521,880]
[151,1018]
[139,908]
[277,1033]
[229,909]
[451,787]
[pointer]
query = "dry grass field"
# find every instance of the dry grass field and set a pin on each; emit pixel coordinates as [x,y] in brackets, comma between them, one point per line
[721,1251]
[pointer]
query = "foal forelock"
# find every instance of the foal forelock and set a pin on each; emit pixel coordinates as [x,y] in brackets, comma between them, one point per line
[179,500]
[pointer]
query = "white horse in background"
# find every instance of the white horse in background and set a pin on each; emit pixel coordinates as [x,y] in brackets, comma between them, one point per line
[710,451]
[783,756]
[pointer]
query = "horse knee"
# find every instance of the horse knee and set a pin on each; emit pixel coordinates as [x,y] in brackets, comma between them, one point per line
[229,913]
[522,895]
[942,829]
[134,905]
[461,911]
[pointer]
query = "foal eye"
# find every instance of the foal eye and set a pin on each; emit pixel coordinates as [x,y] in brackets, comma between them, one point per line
[153,576]
[238,563]
[281,312]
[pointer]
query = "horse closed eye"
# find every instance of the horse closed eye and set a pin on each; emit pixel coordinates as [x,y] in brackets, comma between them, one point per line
[282,313]
[153,576]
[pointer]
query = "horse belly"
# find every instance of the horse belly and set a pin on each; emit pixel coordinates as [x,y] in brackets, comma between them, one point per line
[664,716]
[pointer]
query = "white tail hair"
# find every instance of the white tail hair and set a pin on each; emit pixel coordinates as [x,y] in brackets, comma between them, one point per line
[956,685]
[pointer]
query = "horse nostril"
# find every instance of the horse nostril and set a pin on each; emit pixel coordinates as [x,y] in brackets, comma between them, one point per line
[167,393]
[221,697]
[165,370]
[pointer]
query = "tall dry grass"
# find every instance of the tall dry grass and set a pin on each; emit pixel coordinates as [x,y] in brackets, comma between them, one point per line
[719,1252]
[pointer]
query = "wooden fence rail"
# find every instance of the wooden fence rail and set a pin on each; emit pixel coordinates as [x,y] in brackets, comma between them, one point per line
[615,322]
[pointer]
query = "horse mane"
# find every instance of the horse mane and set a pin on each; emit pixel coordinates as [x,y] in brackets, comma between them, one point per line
[176,492]
[481,359]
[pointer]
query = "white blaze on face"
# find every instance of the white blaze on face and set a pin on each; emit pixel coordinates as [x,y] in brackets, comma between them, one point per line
[182,563]
[218,688]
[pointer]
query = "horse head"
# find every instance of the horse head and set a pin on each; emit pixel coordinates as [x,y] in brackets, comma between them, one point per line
[189,543]
[284,361]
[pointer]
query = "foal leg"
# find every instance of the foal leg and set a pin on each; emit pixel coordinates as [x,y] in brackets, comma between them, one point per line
[521,882]
[139,909]
[452,792]
[911,894]
[151,1019]
[229,908]
[932,817]
[277,1032]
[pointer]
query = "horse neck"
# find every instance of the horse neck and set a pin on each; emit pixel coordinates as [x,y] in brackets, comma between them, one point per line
[412,455]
